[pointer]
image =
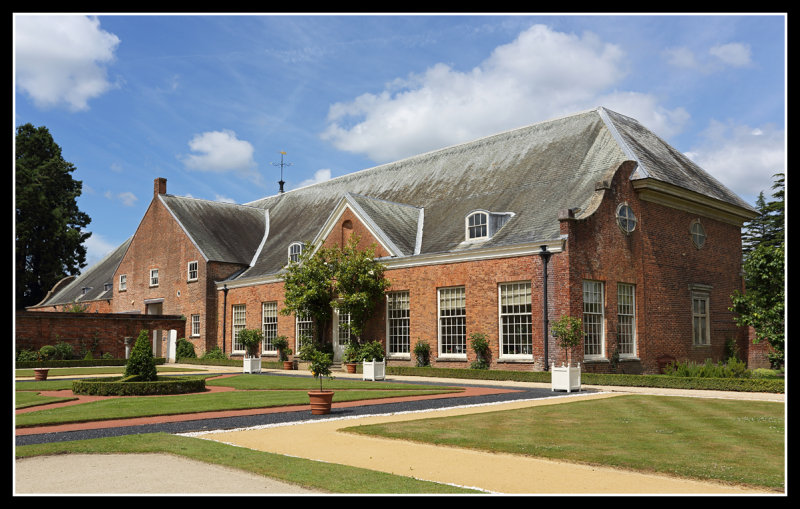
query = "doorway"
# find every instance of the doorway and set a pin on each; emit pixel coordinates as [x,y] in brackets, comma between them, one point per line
[341,333]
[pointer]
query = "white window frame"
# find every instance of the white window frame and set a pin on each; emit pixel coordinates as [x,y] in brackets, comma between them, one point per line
[452,325]
[189,270]
[195,326]
[294,251]
[238,323]
[470,228]
[123,282]
[398,324]
[626,319]
[153,278]
[698,234]
[303,323]
[594,329]
[269,326]
[515,319]
[701,320]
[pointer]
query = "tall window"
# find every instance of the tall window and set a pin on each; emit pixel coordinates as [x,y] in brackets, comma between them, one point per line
[191,271]
[397,322]
[195,325]
[626,319]
[593,333]
[477,225]
[295,249]
[343,330]
[700,322]
[515,319]
[452,321]
[238,325]
[153,277]
[304,329]
[123,282]
[269,325]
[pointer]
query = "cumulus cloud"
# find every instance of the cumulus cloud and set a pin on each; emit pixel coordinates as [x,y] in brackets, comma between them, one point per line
[319,176]
[220,151]
[542,74]
[742,157]
[714,59]
[97,248]
[734,54]
[62,60]
[127,198]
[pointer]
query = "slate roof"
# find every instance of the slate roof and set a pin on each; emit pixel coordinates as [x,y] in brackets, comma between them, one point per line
[419,204]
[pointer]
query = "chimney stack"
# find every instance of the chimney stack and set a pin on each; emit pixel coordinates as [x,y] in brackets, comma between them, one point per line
[160,186]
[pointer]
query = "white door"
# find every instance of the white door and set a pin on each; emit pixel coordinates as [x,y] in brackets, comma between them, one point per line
[155,308]
[341,333]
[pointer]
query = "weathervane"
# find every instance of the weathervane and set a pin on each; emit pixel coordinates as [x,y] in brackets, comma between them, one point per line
[281,164]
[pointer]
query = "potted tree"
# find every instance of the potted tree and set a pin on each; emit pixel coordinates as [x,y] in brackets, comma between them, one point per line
[282,346]
[373,361]
[351,356]
[568,332]
[251,340]
[320,366]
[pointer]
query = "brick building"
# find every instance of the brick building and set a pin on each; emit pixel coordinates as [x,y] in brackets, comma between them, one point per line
[590,215]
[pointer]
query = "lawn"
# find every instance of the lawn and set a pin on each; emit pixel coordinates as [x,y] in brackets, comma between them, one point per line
[710,439]
[254,391]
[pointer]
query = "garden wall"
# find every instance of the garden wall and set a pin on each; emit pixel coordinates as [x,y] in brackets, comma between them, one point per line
[98,332]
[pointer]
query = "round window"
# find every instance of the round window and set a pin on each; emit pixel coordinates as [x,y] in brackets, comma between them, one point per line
[625,218]
[698,233]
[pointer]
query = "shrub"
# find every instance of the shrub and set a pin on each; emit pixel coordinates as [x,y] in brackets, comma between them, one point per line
[568,332]
[733,368]
[47,352]
[215,353]
[372,350]
[480,346]
[184,349]
[63,350]
[282,346]
[320,364]
[141,361]
[89,356]
[26,355]
[251,340]
[422,351]
[352,353]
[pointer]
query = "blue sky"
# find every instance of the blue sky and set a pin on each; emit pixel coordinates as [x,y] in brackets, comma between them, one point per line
[209,101]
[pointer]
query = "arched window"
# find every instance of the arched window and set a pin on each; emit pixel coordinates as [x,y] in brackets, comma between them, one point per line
[295,248]
[625,218]
[698,233]
[477,225]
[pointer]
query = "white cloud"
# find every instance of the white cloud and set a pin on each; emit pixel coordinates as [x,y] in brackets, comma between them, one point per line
[61,60]
[741,157]
[735,54]
[97,248]
[220,151]
[126,198]
[319,176]
[224,199]
[542,74]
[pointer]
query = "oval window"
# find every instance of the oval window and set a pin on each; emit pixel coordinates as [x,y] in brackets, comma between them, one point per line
[698,233]
[625,218]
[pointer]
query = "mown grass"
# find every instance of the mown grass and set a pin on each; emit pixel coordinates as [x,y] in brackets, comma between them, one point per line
[255,391]
[710,439]
[328,477]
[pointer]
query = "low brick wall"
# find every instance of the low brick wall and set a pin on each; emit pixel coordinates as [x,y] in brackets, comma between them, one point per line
[99,332]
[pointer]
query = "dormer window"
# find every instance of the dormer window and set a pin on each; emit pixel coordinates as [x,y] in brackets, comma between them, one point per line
[480,225]
[295,249]
[477,225]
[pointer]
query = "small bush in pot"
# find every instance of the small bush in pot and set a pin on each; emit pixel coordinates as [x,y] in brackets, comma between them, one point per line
[422,351]
[281,344]
[251,340]
[372,350]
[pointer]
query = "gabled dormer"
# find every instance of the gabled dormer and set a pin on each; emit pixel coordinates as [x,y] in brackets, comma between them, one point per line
[481,225]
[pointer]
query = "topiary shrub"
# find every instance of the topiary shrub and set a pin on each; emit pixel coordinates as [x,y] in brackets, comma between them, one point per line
[422,351]
[184,349]
[372,350]
[47,352]
[215,353]
[63,350]
[141,361]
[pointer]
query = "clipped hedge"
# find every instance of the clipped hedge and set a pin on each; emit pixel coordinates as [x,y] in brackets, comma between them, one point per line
[82,363]
[122,386]
[659,381]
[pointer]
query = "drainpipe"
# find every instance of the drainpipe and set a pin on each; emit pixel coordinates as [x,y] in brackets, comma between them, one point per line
[545,254]
[224,313]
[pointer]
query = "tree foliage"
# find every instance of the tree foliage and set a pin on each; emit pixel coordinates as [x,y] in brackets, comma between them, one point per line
[762,305]
[48,227]
[141,362]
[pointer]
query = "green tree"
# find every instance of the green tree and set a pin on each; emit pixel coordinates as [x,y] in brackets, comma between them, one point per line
[141,363]
[762,305]
[48,227]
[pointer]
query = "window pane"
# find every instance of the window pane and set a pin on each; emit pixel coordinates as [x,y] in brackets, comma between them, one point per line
[515,319]
[626,319]
[592,318]
[269,324]
[397,317]
[238,325]
[452,320]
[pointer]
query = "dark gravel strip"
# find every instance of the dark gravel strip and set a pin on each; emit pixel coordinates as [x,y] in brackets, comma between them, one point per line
[287,417]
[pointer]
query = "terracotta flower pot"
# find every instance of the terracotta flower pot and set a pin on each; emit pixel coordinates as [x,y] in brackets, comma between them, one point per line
[40,373]
[288,364]
[320,402]
[351,367]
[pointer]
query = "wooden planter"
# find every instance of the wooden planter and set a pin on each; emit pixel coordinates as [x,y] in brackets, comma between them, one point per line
[320,402]
[374,370]
[565,378]
[40,373]
[252,365]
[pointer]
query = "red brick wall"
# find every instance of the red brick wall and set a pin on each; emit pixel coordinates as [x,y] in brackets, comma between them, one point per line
[104,332]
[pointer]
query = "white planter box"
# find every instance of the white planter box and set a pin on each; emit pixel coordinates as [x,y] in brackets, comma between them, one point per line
[252,365]
[565,378]
[375,370]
